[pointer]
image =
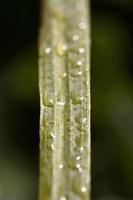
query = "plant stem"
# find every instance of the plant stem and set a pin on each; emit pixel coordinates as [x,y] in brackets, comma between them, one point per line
[64,82]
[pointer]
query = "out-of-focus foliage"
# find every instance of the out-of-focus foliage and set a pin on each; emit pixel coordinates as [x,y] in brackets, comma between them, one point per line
[19,100]
[112,99]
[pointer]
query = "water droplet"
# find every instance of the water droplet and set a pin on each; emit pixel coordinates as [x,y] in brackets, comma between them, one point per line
[78,118]
[64,75]
[76,99]
[78,140]
[61,103]
[82,25]
[78,158]
[53,135]
[81,149]
[62,198]
[76,186]
[48,50]
[49,141]
[83,189]
[79,73]
[65,47]
[75,37]
[48,102]
[42,128]
[81,50]
[84,120]
[61,49]
[61,166]
[87,83]
[79,63]
[52,146]
[78,166]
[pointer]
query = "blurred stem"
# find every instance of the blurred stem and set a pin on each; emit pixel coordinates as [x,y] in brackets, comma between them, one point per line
[64,81]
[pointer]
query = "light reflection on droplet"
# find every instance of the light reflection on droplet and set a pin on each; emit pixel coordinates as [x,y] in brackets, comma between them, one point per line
[82,25]
[61,103]
[83,189]
[64,75]
[79,63]
[80,73]
[49,102]
[64,47]
[61,48]
[82,98]
[84,120]
[81,149]
[61,166]
[53,136]
[87,83]
[62,198]
[75,37]
[78,158]
[81,50]
[52,146]
[48,50]
[78,166]
[42,128]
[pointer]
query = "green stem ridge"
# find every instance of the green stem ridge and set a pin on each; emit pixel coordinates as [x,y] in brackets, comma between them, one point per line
[64,82]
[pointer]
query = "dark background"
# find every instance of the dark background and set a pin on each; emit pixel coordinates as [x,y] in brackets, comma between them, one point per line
[112,99]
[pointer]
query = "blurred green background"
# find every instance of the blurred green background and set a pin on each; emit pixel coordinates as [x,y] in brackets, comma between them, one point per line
[112,99]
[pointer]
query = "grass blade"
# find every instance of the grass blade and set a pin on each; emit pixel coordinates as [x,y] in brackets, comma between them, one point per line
[64,81]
